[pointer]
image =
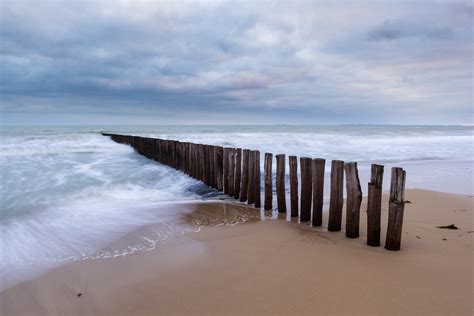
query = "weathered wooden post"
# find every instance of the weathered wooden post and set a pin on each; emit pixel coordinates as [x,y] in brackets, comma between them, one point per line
[258,194]
[202,162]
[205,175]
[318,190]
[336,200]
[238,172]
[354,199]
[231,171]
[244,183]
[226,170]
[212,171]
[194,161]
[251,188]
[374,205]
[293,161]
[396,208]
[268,182]
[280,183]
[306,188]
[219,166]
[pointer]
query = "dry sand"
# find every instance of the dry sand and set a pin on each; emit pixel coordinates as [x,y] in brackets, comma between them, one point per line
[274,267]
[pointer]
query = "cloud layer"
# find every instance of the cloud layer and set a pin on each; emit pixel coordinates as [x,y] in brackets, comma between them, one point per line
[140,62]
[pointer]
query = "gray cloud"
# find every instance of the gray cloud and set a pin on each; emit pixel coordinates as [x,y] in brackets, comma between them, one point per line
[272,62]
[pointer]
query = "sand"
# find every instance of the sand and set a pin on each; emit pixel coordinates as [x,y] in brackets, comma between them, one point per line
[274,266]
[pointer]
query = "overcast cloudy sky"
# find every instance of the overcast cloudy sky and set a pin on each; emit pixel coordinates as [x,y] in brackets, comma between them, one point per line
[221,62]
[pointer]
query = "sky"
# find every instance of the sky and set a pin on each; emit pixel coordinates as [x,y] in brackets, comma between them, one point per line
[236,62]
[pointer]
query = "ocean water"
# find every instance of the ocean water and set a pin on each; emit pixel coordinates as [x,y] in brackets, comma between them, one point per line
[66,192]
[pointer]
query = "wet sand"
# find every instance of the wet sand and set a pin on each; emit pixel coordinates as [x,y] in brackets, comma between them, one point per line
[273,266]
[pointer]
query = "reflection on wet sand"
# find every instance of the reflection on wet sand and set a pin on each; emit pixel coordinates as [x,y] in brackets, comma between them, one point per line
[224,213]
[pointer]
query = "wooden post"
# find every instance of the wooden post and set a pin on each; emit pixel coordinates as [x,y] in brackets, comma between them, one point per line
[212,170]
[396,208]
[354,199]
[268,182]
[226,170]
[251,190]
[258,194]
[205,175]
[238,172]
[280,183]
[244,183]
[219,168]
[293,161]
[374,205]
[202,162]
[336,199]
[231,171]
[306,188]
[318,190]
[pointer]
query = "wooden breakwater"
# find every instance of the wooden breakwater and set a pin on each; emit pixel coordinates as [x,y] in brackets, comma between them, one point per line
[236,172]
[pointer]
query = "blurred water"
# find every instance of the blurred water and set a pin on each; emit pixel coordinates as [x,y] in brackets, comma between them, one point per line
[67,191]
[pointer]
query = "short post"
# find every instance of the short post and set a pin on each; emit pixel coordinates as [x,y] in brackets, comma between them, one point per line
[318,190]
[336,199]
[258,194]
[354,199]
[280,183]
[374,205]
[268,182]
[244,183]
[293,185]
[306,188]
[238,172]
[251,188]
[396,208]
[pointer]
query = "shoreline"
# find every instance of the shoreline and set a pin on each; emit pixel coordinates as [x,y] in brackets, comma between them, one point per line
[273,266]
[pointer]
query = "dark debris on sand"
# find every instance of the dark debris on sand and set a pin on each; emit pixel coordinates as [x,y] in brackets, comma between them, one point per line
[452,226]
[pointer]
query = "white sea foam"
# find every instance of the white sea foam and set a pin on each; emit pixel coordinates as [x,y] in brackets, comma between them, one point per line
[64,196]
[67,192]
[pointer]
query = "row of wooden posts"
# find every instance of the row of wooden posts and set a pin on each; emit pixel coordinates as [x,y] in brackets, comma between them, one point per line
[236,172]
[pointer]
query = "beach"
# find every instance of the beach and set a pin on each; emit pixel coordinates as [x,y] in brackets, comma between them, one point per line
[265,264]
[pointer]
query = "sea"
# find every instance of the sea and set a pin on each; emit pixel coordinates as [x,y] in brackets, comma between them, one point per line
[65,192]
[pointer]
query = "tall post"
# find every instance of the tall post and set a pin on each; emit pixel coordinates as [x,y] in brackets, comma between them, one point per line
[226,170]
[318,191]
[306,188]
[280,183]
[396,208]
[258,194]
[244,183]
[219,167]
[374,205]
[336,200]
[202,162]
[293,161]
[354,199]
[268,182]
[238,172]
[231,170]
[251,192]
